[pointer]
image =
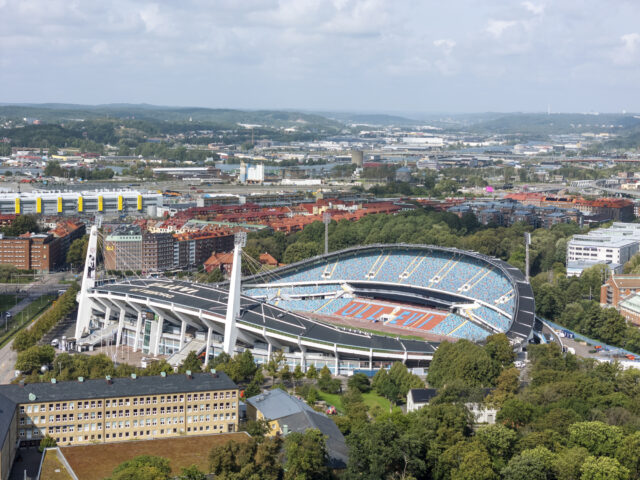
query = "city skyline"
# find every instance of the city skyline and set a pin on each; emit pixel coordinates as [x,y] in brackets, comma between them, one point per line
[362,56]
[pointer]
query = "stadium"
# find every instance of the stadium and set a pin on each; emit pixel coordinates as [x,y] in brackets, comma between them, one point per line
[356,309]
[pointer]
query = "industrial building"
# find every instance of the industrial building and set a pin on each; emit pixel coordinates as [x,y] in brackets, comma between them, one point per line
[77,203]
[85,412]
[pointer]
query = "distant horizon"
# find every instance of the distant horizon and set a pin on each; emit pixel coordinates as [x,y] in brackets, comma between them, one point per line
[398,113]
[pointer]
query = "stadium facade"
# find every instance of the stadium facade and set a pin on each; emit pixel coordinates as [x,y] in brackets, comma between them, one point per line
[446,293]
[51,202]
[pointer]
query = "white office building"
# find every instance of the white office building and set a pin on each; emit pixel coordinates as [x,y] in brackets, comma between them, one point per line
[612,246]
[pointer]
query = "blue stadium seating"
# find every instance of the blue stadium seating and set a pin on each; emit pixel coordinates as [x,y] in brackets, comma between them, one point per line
[457,273]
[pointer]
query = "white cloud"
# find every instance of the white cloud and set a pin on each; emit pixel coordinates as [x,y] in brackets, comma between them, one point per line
[445,44]
[535,8]
[497,27]
[626,53]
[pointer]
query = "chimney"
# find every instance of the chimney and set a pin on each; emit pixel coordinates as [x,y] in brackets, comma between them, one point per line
[80,379]
[108,378]
[163,374]
[214,373]
[188,372]
[133,376]
[21,383]
[53,380]
[285,430]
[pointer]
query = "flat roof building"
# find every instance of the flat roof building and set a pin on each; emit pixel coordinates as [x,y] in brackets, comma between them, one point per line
[50,202]
[113,410]
[612,246]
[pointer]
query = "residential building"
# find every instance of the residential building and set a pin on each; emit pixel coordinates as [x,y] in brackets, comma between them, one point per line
[43,252]
[482,413]
[109,410]
[286,413]
[131,247]
[617,288]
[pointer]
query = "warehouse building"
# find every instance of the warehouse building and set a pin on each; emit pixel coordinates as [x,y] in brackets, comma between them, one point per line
[75,203]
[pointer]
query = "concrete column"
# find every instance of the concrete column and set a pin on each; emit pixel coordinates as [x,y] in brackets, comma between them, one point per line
[156,347]
[335,352]
[268,351]
[120,326]
[183,329]
[371,359]
[138,329]
[107,315]
[206,358]
[303,361]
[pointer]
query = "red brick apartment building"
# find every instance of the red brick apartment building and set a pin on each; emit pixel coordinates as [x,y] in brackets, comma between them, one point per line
[618,287]
[619,209]
[43,252]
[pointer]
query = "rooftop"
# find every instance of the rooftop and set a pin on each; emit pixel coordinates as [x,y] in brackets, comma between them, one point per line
[116,387]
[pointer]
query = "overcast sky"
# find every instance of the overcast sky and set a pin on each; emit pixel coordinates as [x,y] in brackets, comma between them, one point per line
[350,55]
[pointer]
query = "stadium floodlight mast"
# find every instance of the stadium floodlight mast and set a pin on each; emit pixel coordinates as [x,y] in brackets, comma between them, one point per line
[326,219]
[233,305]
[88,282]
[527,242]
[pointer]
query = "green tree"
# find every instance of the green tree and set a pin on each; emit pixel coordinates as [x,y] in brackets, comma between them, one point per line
[533,464]
[475,465]
[298,375]
[499,442]
[597,437]
[191,363]
[515,413]
[627,454]
[326,383]
[143,467]
[22,224]
[603,468]
[23,340]
[306,456]
[312,373]
[359,381]
[568,463]
[34,357]
[78,251]
[192,473]
[47,442]
[299,251]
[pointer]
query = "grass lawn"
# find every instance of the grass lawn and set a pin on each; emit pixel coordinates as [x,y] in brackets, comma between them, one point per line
[93,462]
[370,399]
[52,468]
[25,317]
[34,308]
[6,302]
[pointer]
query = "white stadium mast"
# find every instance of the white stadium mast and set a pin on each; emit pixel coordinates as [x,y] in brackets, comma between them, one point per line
[233,305]
[88,282]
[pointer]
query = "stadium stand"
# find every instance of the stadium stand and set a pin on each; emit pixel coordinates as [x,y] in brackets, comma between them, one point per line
[471,278]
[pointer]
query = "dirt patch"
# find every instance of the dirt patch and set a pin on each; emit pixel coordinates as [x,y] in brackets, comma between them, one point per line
[93,462]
